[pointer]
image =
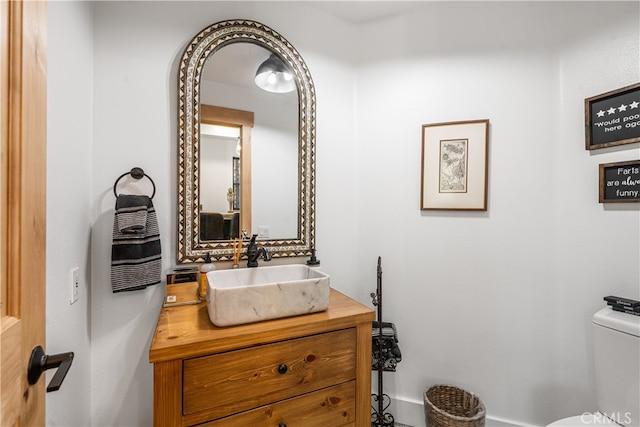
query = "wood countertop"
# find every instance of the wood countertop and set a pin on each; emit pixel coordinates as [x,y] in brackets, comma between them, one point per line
[185,331]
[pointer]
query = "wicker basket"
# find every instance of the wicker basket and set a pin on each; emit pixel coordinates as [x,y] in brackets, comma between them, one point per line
[449,406]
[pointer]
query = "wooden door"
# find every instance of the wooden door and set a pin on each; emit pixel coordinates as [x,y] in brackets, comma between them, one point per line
[22,207]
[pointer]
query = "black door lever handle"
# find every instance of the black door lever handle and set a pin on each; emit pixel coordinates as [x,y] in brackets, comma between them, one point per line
[40,362]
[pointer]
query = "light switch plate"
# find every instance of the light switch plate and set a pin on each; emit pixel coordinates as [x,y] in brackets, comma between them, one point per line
[74,285]
[263,231]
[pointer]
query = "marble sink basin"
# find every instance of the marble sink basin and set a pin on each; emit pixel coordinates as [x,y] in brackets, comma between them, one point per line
[247,295]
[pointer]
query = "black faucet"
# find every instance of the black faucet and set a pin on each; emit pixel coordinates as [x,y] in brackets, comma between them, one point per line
[254,252]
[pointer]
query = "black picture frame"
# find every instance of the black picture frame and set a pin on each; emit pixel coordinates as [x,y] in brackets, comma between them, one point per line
[619,182]
[613,118]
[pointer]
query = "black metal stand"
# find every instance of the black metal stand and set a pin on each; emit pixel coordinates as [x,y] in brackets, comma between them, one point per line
[380,418]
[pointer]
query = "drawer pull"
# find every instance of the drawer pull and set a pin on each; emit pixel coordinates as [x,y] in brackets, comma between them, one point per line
[282,369]
[282,425]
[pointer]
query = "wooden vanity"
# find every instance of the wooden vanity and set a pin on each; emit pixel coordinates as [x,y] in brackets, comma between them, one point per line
[302,371]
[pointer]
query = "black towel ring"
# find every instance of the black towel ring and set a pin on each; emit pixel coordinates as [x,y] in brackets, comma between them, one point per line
[136,173]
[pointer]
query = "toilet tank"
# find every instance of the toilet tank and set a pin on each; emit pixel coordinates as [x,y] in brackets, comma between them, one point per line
[616,355]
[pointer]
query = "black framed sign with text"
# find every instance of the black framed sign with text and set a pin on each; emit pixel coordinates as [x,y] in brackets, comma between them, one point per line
[620,182]
[613,118]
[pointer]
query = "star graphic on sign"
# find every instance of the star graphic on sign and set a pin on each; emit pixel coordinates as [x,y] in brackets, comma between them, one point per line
[601,113]
[611,110]
[622,107]
[634,104]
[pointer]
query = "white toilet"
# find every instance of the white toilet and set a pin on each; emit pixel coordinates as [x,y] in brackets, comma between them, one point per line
[616,356]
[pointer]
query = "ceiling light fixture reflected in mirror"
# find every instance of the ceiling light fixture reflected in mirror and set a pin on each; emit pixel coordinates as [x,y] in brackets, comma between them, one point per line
[274,76]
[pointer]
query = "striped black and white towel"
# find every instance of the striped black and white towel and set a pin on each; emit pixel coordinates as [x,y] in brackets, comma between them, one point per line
[136,260]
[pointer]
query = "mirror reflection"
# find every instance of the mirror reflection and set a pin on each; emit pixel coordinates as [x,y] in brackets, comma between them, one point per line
[246,156]
[229,80]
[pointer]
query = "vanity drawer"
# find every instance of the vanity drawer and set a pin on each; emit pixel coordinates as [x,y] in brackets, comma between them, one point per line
[334,406]
[236,381]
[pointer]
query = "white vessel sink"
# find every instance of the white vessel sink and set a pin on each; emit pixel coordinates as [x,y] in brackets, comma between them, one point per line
[246,295]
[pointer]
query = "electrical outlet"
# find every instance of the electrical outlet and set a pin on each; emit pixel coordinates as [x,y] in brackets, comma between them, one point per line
[263,231]
[74,285]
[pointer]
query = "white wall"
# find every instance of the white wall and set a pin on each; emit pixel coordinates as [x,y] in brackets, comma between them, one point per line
[69,177]
[137,47]
[216,169]
[497,301]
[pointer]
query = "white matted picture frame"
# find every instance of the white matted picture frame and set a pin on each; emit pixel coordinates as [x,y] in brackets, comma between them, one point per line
[455,165]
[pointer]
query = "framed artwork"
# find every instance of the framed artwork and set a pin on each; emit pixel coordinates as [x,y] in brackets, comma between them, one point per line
[613,118]
[620,182]
[454,165]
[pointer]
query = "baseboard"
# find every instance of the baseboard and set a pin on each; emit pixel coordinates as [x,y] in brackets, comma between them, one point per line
[411,413]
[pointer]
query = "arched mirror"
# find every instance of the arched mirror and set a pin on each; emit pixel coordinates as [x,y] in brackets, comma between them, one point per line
[245,154]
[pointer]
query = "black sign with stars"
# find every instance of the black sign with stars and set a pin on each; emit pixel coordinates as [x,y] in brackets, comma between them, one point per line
[613,118]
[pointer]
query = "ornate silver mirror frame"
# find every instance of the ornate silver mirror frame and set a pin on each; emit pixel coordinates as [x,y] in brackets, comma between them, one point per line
[203,45]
